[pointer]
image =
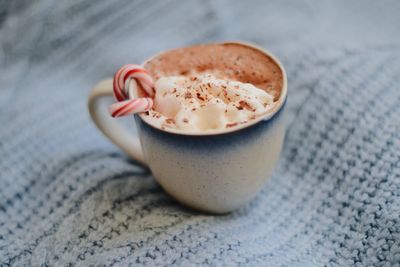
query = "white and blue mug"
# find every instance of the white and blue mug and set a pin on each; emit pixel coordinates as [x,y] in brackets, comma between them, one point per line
[216,172]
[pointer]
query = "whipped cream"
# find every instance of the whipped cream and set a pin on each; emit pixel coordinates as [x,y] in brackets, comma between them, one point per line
[203,102]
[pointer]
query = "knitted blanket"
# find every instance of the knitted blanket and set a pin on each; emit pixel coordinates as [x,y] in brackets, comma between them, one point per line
[68,197]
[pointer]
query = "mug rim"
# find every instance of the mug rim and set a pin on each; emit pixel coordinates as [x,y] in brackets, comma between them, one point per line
[264,118]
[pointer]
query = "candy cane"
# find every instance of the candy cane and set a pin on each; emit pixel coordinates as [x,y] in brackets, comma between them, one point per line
[132,106]
[134,74]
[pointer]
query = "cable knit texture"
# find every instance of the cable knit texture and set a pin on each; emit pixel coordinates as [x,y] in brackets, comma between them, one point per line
[70,198]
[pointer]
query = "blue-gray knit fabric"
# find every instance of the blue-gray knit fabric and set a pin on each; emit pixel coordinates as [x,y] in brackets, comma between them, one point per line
[68,197]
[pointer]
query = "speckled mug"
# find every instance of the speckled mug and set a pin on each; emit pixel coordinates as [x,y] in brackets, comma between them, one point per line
[216,172]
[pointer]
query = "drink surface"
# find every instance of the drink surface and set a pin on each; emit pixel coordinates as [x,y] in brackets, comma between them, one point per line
[212,87]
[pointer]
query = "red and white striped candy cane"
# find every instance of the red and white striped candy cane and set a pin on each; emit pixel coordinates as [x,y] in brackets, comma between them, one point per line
[126,105]
[131,106]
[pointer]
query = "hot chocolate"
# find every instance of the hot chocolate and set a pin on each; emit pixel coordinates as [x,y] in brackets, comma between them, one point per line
[212,87]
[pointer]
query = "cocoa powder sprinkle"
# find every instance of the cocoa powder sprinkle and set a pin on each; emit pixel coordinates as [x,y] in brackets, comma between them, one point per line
[231,124]
[169,120]
[245,105]
[200,97]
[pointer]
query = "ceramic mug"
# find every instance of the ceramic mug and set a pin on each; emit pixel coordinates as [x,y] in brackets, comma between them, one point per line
[216,172]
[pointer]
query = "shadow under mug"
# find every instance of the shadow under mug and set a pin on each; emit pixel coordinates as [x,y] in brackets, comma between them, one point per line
[216,173]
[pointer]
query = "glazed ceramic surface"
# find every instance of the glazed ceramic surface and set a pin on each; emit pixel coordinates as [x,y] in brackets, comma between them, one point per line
[216,173]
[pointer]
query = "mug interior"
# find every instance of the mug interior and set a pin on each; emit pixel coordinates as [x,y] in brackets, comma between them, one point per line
[279,103]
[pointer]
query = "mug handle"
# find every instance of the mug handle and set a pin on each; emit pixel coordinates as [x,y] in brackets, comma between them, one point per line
[109,125]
